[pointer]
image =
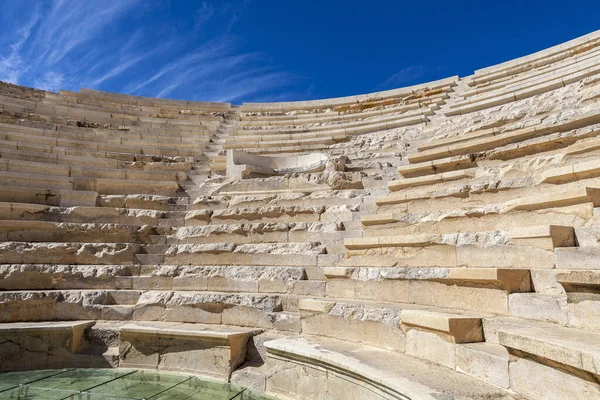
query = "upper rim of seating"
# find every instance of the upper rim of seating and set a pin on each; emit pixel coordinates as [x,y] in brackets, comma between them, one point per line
[540,54]
[441,84]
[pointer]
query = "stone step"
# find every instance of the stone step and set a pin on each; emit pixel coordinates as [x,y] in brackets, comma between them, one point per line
[263,232]
[50,197]
[80,148]
[510,280]
[80,214]
[101,186]
[70,134]
[10,165]
[349,125]
[485,361]
[563,198]
[479,220]
[362,371]
[462,328]
[46,231]
[61,144]
[541,347]
[501,139]
[55,344]
[284,254]
[104,160]
[249,279]
[545,237]
[488,190]
[110,157]
[278,144]
[523,91]
[342,199]
[468,256]
[311,118]
[281,214]
[145,202]
[540,63]
[558,142]
[140,101]
[547,308]
[241,309]
[437,166]
[205,350]
[376,323]
[163,239]
[155,248]
[430,179]
[68,253]
[471,249]
[584,258]
[441,287]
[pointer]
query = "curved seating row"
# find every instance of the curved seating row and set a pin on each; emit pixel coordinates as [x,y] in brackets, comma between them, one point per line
[455,255]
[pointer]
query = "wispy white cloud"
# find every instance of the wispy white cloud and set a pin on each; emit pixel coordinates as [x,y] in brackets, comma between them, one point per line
[12,64]
[403,76]
[51,81]
[203,14]
[108,45]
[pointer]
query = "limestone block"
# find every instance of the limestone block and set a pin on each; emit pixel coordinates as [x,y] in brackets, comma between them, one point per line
[540,307]
[546,237]
[288,321]
[571,347]
[341,213]
[316,305]
[47,276]
[512,257]
[512,280]
[43,345]
[395,291]
[68,253]
[458,328]
[309,288]
[183,347]
[248,316]
[190,314]
[364,329]
[538,381]
[431,346]
[274,286]
[488,362]
[585,314]
[291,379]
[480,299]
[545,282]
[197,217]
[577,258]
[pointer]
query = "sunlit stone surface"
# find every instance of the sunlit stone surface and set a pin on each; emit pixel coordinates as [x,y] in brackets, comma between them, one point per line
[439,241]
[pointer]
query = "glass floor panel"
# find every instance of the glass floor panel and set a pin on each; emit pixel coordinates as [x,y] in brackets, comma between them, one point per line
[96,384]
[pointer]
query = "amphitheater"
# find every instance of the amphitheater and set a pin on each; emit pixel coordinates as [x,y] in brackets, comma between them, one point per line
[439,241]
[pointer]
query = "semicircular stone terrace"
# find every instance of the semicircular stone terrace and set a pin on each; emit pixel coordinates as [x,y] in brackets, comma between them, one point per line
[438,241]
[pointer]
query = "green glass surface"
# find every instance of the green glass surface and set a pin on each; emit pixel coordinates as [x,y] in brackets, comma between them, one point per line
[11,380]
[97,384]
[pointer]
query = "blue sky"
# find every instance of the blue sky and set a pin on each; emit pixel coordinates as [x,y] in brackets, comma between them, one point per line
[253,50]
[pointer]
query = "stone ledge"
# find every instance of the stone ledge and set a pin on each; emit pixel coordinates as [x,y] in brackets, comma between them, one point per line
[306,369]
[183,347]
[462,328]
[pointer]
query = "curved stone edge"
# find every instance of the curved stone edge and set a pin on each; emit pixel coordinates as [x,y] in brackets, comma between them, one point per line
[350,374]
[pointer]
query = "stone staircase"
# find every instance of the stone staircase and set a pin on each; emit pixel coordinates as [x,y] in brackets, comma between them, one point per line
[454,256]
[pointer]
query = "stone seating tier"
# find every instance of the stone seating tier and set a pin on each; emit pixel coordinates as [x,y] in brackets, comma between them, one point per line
[447,247]
[547,56]
[147,101]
